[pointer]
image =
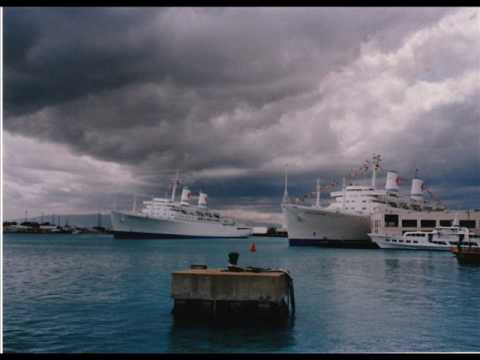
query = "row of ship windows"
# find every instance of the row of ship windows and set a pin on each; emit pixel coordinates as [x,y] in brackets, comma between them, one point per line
[182,214]
[358,195]
[392,221]
[160,212]
[195,218]
[408,241]
[185,216]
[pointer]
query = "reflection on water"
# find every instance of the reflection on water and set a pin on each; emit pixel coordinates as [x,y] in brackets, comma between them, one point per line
[95,294]
[228,337]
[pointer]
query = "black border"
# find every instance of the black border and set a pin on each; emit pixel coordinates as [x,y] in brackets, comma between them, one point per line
[244,3]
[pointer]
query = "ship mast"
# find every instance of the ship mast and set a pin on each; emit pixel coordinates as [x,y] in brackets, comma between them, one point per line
[344,192]
[285,193]
[134,205]
[175,183]
[317,203]
[375,164]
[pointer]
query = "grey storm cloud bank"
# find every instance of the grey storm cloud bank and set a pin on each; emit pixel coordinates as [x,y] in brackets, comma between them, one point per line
[232,95]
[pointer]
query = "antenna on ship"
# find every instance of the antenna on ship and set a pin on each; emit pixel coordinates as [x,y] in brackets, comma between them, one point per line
[376,163]
[285,193]
[317,203]
[134,205]
[175,183]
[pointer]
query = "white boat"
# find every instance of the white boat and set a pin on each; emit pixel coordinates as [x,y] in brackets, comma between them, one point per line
[345,222]
[162,218]
[325,227]
[440,238]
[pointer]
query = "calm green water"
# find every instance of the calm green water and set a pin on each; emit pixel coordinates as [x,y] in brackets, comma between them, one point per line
[83,293]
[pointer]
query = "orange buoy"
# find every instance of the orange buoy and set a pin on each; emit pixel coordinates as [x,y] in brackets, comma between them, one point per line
[253,248]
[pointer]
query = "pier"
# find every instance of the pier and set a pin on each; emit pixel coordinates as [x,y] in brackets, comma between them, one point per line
[235,291]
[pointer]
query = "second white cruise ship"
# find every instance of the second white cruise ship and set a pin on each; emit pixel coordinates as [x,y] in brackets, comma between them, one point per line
[345,222]
[162,218]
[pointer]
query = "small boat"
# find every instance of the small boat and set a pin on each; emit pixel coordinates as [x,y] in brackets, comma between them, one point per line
[440,238]
[467,255]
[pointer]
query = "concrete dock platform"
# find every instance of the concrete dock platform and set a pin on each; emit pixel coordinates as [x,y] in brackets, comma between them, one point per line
[214,292]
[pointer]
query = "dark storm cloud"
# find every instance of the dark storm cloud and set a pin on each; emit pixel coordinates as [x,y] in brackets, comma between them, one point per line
[252,55]
[55,55]
[232,95]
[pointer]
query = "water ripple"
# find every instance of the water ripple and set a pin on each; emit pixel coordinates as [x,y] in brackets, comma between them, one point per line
[96,294]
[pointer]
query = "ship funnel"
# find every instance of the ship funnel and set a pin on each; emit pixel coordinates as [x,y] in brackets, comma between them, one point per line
[202,200]
[392,181]
[417,190]
[186,194]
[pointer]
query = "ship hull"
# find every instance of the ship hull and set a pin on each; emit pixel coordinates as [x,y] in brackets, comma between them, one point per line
[309,226]
[348,244]
[131,226]
[467,256]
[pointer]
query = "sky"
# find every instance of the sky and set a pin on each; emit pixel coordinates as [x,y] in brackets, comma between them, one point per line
[104,103]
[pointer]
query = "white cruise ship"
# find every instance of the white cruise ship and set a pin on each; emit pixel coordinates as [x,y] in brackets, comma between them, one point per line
[162,218]
[345,222]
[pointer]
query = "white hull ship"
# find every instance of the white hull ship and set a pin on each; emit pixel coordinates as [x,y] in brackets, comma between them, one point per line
[346,221]
[440,238]
[162,218]
[317,226]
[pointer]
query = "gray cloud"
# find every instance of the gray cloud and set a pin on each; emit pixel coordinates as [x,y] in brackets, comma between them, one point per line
[231,95]
[55,55]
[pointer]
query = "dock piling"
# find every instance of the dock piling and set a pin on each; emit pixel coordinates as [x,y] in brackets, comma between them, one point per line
[237,292]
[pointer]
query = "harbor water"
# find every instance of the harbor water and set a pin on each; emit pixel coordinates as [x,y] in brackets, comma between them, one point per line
[92,293]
